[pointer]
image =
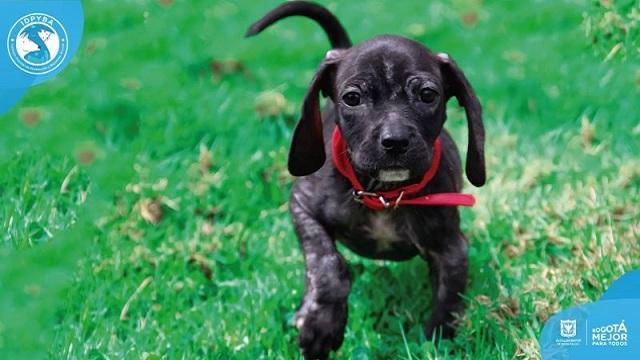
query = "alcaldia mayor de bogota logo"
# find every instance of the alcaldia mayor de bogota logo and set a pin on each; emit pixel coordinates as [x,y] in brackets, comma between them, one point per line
[37,43]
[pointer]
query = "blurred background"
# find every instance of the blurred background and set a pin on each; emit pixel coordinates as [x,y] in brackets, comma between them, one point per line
[144,189]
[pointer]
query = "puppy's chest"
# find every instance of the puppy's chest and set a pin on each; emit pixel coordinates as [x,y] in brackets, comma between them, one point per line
[380,232]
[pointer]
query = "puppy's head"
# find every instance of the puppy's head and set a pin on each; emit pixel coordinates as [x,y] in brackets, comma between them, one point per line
[390,95]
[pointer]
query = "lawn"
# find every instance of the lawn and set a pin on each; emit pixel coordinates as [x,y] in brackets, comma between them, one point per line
[144,189]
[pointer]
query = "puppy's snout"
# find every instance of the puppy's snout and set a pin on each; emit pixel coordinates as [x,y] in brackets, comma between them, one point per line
[394,140]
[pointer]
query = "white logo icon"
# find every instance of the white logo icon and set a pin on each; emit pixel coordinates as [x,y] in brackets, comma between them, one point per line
[568,328]
[37,43]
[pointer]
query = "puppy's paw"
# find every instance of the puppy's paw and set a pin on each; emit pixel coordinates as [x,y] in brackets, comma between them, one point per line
[436,330]
[321,327]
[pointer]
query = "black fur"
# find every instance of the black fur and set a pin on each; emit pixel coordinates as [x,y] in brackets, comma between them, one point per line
[389,74]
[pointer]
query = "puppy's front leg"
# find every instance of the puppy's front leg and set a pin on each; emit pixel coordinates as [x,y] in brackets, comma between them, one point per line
[322,316]
[448,270]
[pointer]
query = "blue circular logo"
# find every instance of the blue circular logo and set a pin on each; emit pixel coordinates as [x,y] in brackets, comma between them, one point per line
[37,43]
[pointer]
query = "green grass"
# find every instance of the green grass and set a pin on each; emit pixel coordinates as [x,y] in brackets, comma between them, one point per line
[171,238]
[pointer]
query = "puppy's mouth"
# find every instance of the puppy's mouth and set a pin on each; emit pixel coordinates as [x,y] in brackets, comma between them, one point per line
[393,175]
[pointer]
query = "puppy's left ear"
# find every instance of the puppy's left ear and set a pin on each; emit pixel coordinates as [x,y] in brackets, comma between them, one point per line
[456,84]
[306,154]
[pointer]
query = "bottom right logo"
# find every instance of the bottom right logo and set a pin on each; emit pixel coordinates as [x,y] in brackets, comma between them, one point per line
[604,329]
[568,328]
[610,335]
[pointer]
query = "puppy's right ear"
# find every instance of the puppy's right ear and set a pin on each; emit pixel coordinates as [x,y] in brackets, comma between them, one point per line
[306,154]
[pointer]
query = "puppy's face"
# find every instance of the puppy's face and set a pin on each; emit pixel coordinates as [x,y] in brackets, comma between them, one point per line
[391,101]
[391,95]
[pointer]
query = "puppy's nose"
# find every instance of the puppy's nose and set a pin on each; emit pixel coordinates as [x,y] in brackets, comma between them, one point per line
[394,142]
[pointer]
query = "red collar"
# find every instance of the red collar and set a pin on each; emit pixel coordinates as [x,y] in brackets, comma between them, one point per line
[405,195]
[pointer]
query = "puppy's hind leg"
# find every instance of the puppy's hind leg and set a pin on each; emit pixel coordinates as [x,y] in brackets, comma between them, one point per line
[322,316]
[448,271]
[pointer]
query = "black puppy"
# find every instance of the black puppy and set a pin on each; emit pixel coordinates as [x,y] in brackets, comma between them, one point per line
[392,188]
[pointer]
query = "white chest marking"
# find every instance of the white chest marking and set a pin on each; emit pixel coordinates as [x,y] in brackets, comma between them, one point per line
[382,229]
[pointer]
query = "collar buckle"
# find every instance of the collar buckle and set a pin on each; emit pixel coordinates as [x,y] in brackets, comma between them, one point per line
[358,196]
[397,202]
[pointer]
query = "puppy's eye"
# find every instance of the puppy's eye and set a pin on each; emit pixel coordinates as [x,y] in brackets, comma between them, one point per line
[351,98]
[428,96]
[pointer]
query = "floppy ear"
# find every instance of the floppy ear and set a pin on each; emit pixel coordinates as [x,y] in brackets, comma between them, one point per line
[456,84]
[306,154]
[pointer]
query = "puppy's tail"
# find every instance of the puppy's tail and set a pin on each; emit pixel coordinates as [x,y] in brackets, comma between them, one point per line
[336,33]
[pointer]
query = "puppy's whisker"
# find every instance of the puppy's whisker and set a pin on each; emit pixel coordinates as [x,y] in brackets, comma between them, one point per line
[371,184]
